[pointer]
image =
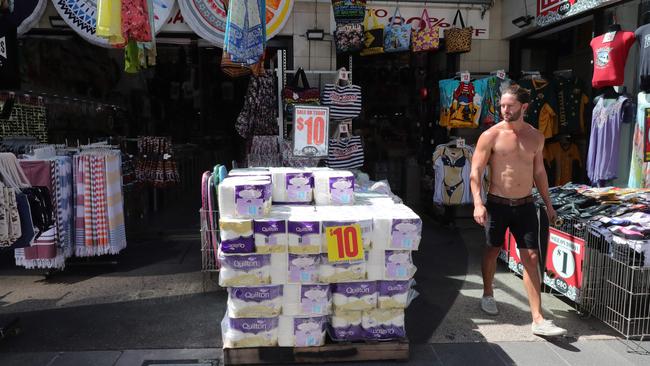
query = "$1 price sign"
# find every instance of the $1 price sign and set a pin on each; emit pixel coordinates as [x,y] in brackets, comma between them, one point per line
[344,243]
[311,130]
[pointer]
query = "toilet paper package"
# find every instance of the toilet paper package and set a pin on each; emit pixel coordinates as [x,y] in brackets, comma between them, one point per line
[398,228]
[298,331]
[247,172]
[303,268]
[270,235]
[292,186]
[344,271]
[279,265]
[393,265]
[255,301]
[383,324]
[373,199]
[307,299]
[346,326]
[236,235]
[354,296]
[347,216]
[244,269]
[335,187]
[393,294]
[304,235]
[249,332]
[244,197]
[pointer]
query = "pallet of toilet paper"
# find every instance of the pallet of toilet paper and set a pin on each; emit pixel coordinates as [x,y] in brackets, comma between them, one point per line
[283,290]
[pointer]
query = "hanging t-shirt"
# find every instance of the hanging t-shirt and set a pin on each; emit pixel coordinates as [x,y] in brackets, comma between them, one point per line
[9,74]
[460,103]
[642,36]
[490,111]
[345,153]
[565,158]
[639,170]
[571,102]
[602,159]
[344,101]
[452,166]
[542,109]
[610,57]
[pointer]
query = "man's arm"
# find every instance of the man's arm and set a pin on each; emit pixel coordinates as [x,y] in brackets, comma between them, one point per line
[479,162]
[541,181]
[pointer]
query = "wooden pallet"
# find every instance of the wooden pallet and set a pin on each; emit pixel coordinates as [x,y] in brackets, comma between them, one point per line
[334,352]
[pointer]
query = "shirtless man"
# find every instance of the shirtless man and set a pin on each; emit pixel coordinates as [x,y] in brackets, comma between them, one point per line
[513,149]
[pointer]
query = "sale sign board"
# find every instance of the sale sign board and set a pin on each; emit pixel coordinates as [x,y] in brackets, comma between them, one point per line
[551,11]
[344,243]
[311,130]
[563,269]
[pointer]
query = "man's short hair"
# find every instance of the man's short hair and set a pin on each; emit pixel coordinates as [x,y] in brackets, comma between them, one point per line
[522,94]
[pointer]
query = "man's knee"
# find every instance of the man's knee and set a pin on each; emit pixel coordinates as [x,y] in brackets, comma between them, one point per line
[529,256]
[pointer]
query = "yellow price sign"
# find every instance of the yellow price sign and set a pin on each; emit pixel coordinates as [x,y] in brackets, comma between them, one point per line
[344,243]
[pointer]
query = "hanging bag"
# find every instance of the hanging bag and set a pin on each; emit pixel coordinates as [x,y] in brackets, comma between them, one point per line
[348,37]
[397,37]
[349,11]
[427,37]
[295,94]
[458,40]
[373,42]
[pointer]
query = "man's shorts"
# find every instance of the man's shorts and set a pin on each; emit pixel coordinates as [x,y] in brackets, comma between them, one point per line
[528,223]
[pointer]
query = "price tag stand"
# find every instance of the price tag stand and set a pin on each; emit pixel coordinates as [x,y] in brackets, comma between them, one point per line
[311,130]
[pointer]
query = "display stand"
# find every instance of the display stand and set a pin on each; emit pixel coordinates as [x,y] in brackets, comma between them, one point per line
[334,352]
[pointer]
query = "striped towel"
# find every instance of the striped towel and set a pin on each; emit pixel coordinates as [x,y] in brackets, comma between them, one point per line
[115,203]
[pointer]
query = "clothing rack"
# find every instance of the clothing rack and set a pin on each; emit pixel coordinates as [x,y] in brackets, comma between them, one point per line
[26,97]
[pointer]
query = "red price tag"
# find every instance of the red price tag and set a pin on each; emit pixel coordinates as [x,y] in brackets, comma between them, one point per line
[311,130]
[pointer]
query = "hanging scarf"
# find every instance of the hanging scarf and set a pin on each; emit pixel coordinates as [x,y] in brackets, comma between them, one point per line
[246,31]
[109,21]
[135,21]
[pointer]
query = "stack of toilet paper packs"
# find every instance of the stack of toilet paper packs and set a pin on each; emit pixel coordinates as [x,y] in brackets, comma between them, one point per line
[282,288]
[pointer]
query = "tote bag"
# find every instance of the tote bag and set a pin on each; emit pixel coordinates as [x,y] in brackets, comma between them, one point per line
[295,94]
[348,37]
[344,101]
[458,40]
[373,37]
[427,37]
[345,153]
[397,37]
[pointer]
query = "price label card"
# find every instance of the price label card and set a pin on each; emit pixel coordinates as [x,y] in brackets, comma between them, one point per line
[501,74]
[460,142]
[609,36]
[465,77]
[311,130]
[344,243]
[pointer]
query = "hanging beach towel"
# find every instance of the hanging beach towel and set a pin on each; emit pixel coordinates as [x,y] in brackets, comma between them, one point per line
[245,36]
[427,36]
[458,40]
[373,36]
[109,21]
[26,14]
[397,37]
[81,16]
[135,21]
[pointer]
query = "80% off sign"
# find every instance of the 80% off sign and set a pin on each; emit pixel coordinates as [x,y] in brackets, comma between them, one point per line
[311,130]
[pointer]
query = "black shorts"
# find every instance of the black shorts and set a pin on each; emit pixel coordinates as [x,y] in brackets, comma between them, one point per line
[528,223]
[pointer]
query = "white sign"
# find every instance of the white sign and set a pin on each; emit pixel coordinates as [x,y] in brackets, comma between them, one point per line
[310,130]
[3,47]
[465,77]
[439,15]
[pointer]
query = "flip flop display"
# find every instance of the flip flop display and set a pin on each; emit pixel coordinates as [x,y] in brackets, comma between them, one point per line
[207,18]
[26,14]
[81,15]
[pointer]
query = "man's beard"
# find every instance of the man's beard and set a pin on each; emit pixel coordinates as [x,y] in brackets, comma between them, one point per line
[514,116]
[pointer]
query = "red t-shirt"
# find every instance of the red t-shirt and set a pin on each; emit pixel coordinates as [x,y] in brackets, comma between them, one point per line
[609,59]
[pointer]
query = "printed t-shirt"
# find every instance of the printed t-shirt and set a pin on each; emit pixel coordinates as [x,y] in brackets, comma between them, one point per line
[541,112]
[565,159]
[609,59]
[571,101]
[642,36]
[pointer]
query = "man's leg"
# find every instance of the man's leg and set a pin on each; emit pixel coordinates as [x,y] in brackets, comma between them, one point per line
[488,268]
[530,260]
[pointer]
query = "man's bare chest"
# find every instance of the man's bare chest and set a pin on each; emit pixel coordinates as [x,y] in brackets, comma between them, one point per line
[520,149]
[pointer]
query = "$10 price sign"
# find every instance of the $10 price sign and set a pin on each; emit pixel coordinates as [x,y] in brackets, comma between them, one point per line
[311,130]
[344,243]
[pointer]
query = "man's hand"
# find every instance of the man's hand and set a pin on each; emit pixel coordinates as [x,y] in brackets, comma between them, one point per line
[480,214]
[550,212]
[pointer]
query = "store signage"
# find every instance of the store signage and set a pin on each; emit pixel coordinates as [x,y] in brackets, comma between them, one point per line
[311,130]
[563,267]
[514,258]
[551,11]
[646,137]
[439,15]
[344,243]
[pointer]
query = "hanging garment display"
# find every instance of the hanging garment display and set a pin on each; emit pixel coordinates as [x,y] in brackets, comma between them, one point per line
[640,160]
[81,16]
[397,37]
[135,21]
[427,36]
[571,104]
[245,35]
[492,87]
[610,54]
[542,109]
[642,35]
[109,21]
[452,166]
[460,103]
[26,14]
[156,164]
[259,113]
[345,153]
[602,159]
[27,118]
[344,101]
[373,35]
[563,161]
[264,151]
